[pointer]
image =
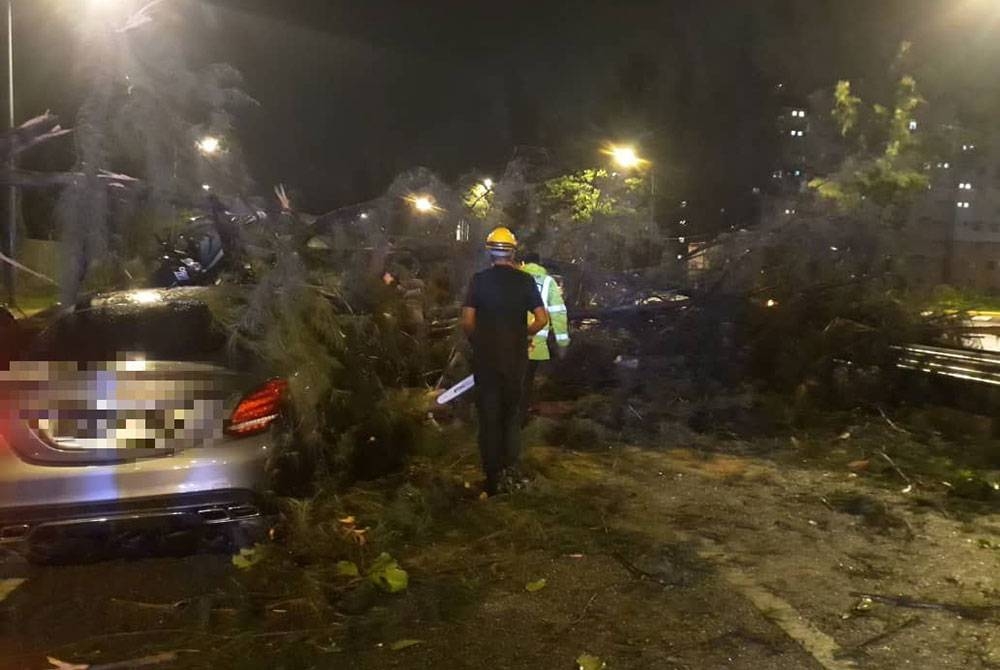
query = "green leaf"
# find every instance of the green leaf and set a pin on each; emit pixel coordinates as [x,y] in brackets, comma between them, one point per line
[589,662]
[404,644]
[347,569]
[537,585]
[386,574]
[247,558]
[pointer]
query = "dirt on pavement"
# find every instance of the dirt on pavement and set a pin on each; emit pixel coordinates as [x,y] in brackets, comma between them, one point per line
[741,557]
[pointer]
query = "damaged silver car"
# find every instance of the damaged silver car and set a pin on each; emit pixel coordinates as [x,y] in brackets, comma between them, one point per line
[127,413]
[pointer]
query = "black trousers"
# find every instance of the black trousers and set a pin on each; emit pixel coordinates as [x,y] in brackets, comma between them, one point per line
[498,403]
[529,387]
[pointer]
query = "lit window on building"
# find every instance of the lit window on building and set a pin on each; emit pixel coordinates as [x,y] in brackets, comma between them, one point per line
[789,212]
[962,204]
[965,186]
[913,125]
[968,147]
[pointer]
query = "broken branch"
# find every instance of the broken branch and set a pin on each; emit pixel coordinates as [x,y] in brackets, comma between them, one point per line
[895,467]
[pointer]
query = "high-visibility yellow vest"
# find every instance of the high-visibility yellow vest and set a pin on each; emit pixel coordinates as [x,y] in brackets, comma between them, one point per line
[552,298]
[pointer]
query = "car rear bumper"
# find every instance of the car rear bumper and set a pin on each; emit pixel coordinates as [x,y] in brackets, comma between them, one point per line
[178,512]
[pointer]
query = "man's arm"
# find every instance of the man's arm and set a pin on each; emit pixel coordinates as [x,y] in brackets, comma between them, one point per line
[540,319]
[469,320]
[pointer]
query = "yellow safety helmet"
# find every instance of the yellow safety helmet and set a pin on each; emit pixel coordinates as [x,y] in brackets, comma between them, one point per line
[501,241]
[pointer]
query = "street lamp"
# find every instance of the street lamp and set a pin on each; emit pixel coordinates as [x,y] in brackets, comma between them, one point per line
[209,145]
[423,204]
[625,157]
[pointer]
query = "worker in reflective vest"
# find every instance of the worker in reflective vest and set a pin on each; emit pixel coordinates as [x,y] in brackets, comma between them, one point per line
[538,349]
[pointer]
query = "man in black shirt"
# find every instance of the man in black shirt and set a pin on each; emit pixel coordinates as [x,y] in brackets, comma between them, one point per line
[494,316]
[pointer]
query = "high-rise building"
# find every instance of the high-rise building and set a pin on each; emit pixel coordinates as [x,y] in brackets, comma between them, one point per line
[954,231]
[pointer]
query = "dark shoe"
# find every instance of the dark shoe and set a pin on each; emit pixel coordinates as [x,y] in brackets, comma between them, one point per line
[513,480]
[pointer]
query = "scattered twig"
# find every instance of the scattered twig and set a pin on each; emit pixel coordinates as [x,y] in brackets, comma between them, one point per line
[24,268]
[558,633]
[636,572]
[967,611]
[895,467]
[891,423]
[180,604]
[464,566]
[451,361]
[583,612]
[145,661]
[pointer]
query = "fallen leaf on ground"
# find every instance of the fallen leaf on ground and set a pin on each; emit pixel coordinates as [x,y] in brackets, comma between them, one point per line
[588,662]
[247,558]
[347,569]
[858,466]
[403,644]
[386,574]
[537,585]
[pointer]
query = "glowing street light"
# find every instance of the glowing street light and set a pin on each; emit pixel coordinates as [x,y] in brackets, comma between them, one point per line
[625,157]
[424,204]
[209,145]
[488,183]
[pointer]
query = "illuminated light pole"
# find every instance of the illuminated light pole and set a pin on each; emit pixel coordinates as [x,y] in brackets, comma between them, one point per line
[11,236]
[626,157]
[11,190]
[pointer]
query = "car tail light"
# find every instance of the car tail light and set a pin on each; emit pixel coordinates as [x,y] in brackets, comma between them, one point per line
[258,410]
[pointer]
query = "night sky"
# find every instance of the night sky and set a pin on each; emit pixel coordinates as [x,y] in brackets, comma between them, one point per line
[353,92]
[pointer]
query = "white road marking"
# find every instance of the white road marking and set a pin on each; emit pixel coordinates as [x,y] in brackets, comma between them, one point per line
[8,586]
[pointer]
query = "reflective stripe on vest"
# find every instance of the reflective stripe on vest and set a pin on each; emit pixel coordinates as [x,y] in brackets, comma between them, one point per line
[544,290]
[546,285]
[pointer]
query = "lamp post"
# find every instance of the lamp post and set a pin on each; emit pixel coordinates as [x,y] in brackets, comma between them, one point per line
[423,204]
[626,157]
[10,238]
[8,247]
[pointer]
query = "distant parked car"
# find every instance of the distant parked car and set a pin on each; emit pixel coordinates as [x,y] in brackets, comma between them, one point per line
[125,412]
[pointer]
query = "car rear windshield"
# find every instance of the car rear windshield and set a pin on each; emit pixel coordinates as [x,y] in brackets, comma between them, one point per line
[168,330]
